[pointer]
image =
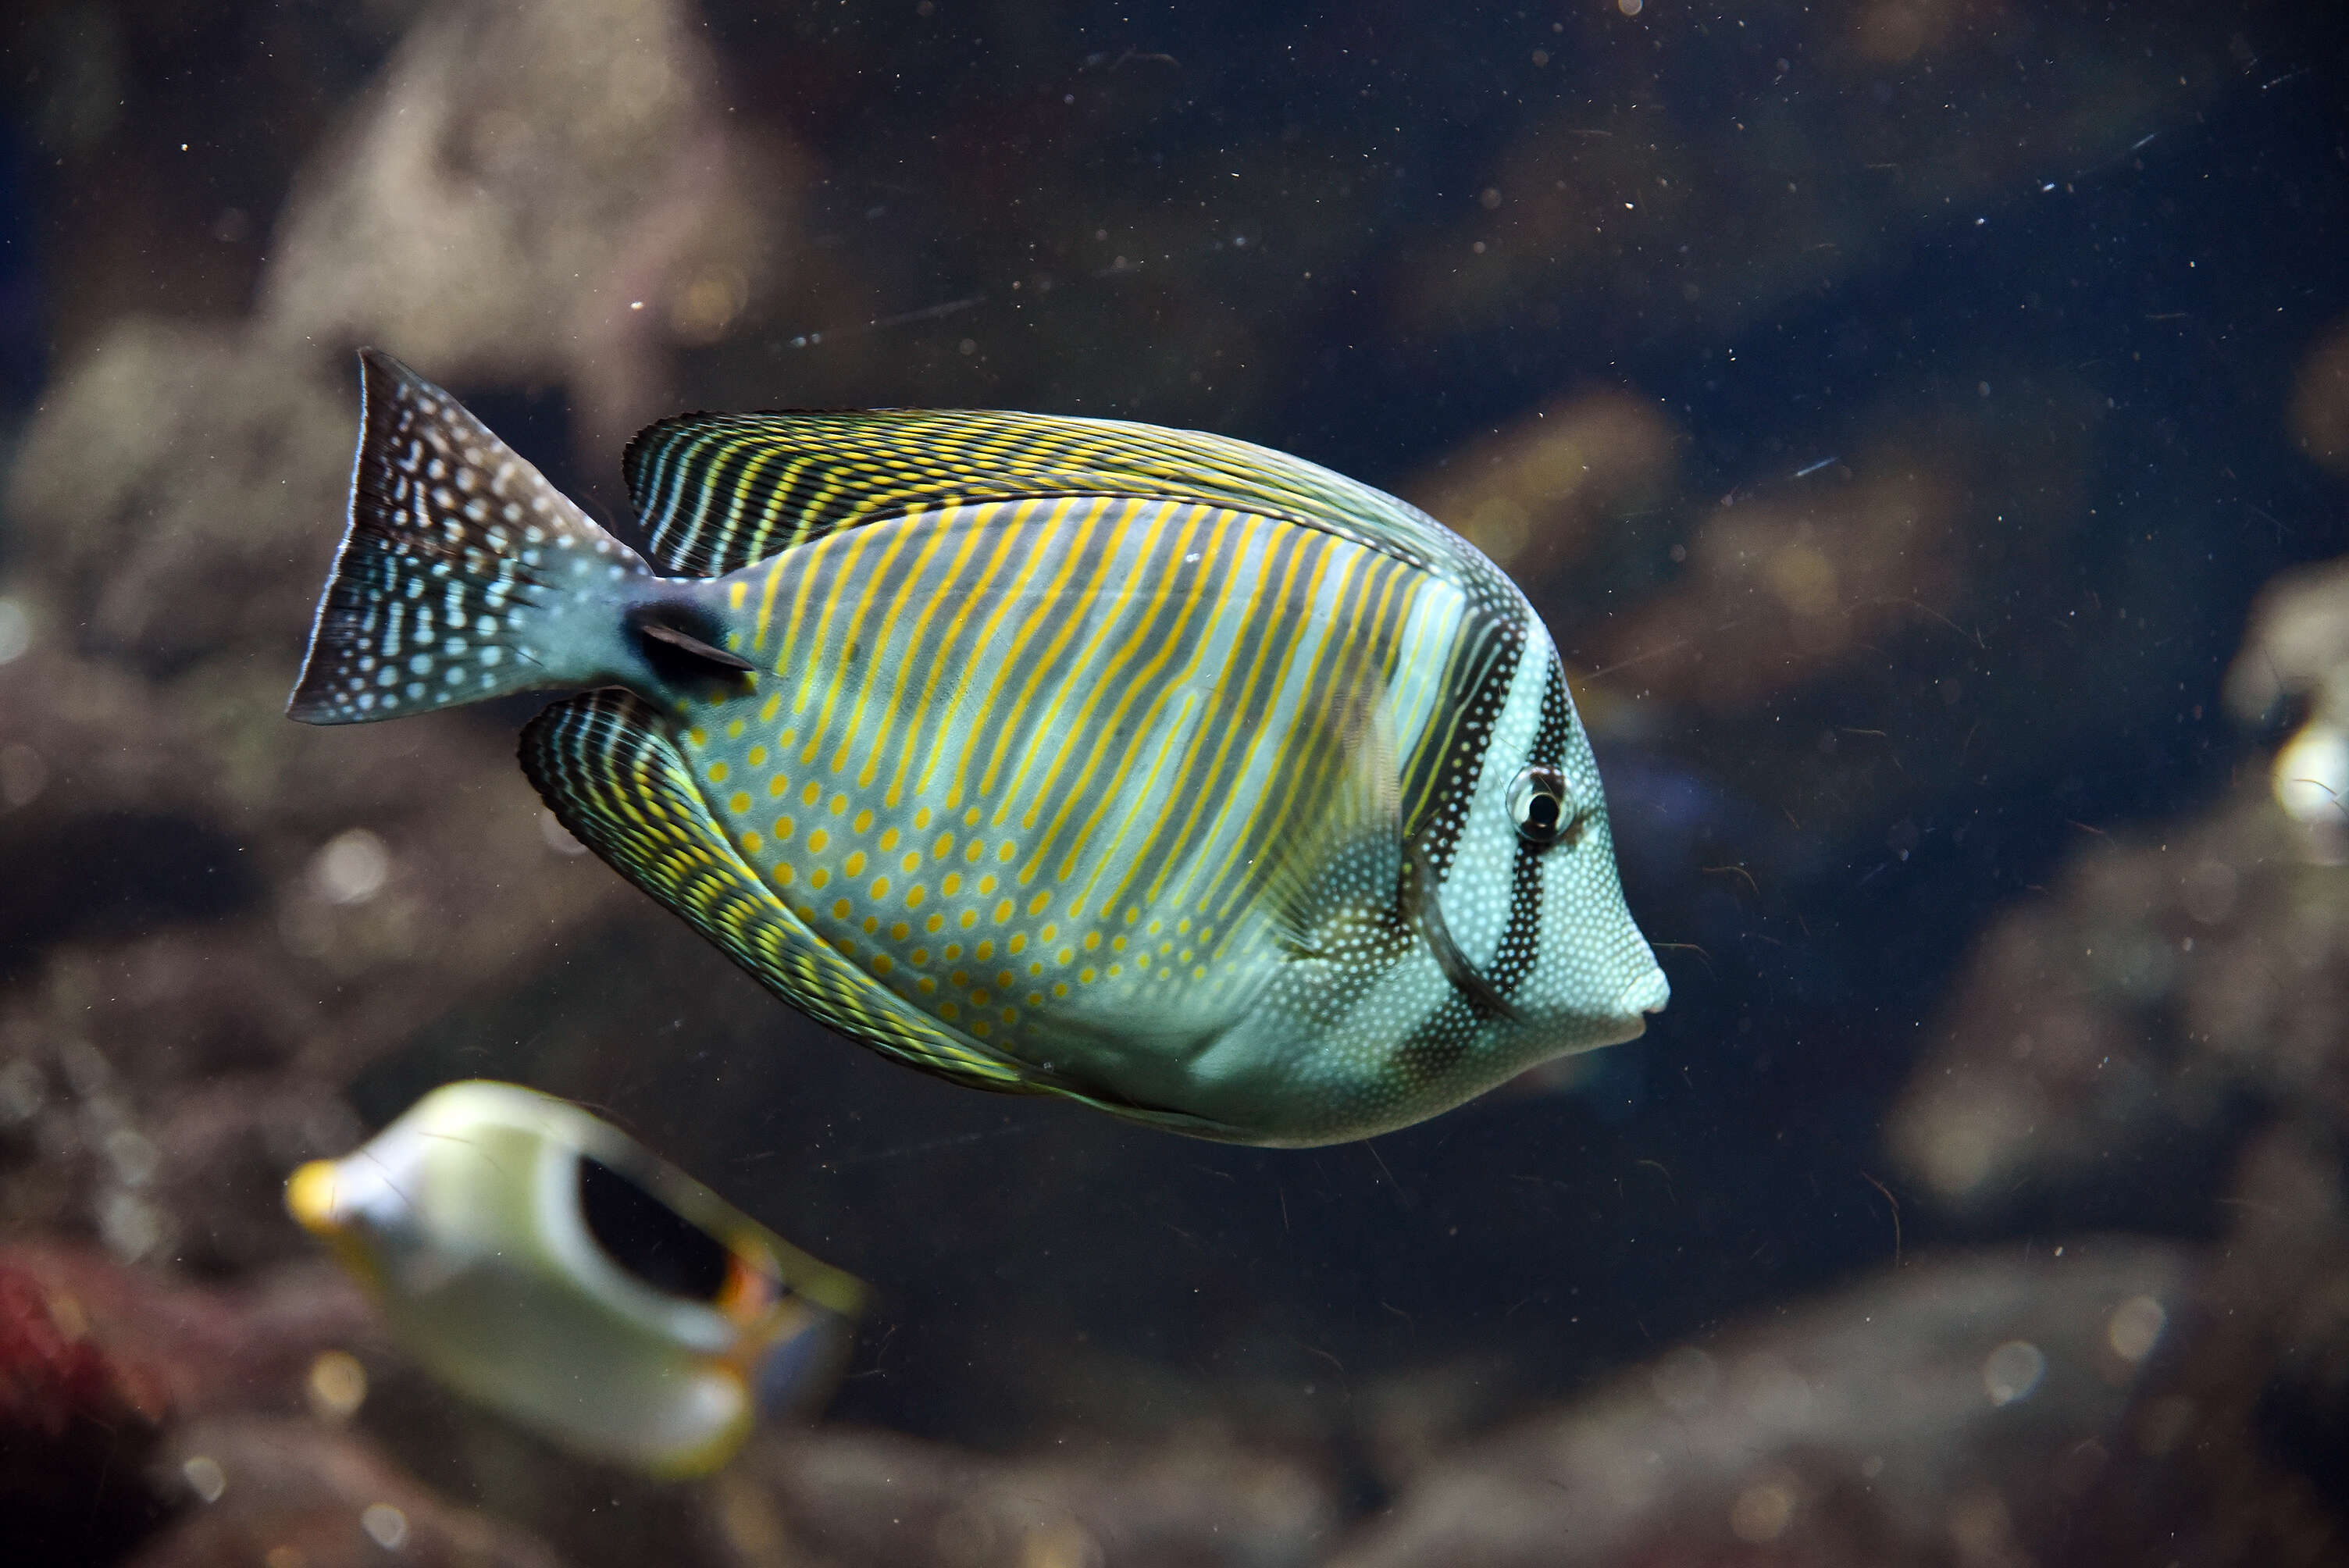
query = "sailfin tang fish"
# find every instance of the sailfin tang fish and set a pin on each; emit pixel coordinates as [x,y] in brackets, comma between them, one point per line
[1141,766]
[535,1258]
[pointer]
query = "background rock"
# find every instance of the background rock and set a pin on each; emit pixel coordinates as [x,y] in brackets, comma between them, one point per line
[1954,1412]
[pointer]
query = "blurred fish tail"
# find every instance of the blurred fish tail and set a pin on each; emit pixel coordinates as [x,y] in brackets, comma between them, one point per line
[463,574]
[800,1366]
[799,1358]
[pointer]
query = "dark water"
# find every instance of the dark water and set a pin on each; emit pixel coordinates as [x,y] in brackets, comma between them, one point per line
[1958,376]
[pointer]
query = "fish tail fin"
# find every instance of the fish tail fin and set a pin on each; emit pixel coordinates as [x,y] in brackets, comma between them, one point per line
[463,574]
[803,1364]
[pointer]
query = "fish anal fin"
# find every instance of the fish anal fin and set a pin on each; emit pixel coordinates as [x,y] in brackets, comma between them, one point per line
[610,776]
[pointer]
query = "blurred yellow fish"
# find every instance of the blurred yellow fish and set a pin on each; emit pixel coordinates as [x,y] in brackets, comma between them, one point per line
[540,1261]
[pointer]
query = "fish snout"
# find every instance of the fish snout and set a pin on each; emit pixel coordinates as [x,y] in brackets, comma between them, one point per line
[343,1213]
[338,1200]
[310,1199]
[1644,996]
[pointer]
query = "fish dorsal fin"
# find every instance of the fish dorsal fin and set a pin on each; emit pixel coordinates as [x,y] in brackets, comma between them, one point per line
[1335,880]
[715,492]
[609,776]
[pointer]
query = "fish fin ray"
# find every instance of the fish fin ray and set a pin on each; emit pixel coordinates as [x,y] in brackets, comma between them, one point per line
[1345,868]
[716,492]
[456,579]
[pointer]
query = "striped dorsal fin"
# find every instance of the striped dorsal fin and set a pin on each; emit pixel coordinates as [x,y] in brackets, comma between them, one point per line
[716,492]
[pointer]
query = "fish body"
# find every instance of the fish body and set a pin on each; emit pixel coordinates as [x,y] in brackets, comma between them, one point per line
[1145,767]
[540,1261]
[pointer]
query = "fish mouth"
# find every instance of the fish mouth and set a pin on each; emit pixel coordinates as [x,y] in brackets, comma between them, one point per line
[319,1198]
[310,1199]
[1646,995]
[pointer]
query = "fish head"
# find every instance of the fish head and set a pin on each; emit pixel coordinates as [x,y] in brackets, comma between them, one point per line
[453,1184]
[360,1207]
[1546,946]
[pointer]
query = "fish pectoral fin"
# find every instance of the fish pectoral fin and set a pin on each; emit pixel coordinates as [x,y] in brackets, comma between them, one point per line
[1339,871]
[610,776]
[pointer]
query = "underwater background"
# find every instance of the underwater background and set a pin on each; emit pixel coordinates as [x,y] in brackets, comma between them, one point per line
[1924,426]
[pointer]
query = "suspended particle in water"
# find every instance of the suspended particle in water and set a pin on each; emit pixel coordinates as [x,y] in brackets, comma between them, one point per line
[352,867]
[15,630]
[206,1477]
[2012,1371]
[384,1525]
[336,1386]
[2136,1327]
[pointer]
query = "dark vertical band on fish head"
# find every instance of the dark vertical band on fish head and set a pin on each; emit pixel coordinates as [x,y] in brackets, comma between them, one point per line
[1521,938]
[1473,986]
[1442,774]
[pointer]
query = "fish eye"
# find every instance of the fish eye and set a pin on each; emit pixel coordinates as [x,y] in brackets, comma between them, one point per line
[1541,805]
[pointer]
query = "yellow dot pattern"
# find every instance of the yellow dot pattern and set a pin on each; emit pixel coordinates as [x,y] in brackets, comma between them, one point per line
[623,789]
